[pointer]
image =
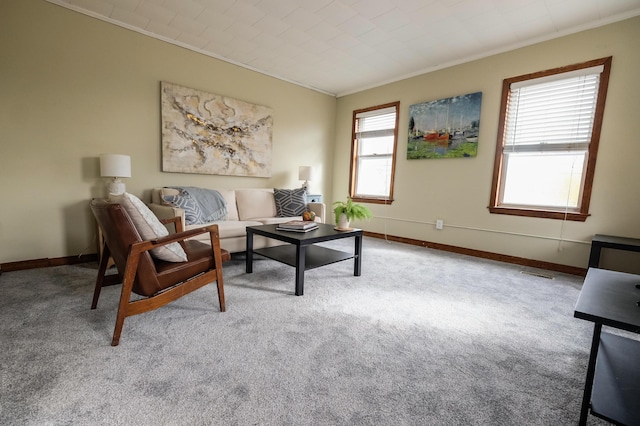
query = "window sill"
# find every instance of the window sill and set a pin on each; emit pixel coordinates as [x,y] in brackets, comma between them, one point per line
[545,214]
[357,199]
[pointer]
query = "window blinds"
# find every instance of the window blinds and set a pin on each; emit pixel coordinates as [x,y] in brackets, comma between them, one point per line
[553,113]
[378,123]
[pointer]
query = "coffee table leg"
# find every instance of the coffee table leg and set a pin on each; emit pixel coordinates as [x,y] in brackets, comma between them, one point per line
[249,246]
[300,265]
[357,261]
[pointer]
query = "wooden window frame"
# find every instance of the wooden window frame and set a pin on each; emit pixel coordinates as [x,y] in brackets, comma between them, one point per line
[592,152]
[354,157]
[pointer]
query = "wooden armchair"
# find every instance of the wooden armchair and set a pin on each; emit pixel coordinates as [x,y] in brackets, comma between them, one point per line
[158,281]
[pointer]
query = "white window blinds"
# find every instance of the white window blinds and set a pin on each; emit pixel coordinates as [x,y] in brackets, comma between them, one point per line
[377,123]
[553,113]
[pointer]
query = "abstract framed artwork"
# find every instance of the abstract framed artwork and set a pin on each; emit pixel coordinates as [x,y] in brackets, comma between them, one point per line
[212,134]
[446,128]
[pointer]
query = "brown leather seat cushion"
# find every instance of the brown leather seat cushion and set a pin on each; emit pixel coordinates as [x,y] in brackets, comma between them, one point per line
[200,258]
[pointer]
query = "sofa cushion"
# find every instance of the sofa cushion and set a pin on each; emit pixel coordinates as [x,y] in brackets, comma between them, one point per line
[235,228]
[290,202]
[149,227]
[158,194]
[230,196]
[201,205]
[163,192]
[253,203]
[192,212]
[227,228]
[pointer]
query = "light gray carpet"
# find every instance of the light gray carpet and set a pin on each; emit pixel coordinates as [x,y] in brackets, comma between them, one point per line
[423,337]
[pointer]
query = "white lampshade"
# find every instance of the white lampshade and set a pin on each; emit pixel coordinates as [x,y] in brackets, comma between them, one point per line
[115,166]
[305,173]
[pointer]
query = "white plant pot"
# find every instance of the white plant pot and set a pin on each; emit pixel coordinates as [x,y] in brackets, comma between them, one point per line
[343,222]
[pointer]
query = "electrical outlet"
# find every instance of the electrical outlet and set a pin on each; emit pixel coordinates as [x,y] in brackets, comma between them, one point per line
[439,224]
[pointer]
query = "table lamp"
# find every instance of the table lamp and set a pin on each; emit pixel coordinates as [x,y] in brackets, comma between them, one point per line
[115,166]
[305,173]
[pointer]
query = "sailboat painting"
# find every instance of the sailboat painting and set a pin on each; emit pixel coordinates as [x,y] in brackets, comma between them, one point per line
[446,128]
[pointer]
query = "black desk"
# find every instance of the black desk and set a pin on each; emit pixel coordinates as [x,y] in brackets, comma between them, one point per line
[609,241]
[612,386]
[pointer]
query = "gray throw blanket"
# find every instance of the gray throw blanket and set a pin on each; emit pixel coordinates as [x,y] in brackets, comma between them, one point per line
[213,206]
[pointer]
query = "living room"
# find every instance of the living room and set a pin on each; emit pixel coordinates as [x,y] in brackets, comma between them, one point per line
[75,87]
[433,337]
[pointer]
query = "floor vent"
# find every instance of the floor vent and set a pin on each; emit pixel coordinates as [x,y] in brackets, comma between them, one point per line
[537,274]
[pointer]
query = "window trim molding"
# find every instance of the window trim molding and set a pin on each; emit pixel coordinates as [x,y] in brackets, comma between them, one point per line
[354,150]
[592,153]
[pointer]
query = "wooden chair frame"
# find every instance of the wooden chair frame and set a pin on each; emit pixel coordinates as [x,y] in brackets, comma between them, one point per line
[127,307]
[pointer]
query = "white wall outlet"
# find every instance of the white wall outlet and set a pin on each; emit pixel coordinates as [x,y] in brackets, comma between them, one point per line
[439,224]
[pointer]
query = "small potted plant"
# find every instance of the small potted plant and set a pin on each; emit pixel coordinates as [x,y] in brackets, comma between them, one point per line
[346,211]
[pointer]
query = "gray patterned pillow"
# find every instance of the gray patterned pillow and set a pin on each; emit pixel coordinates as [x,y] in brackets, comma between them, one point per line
[290,202]
[192,213]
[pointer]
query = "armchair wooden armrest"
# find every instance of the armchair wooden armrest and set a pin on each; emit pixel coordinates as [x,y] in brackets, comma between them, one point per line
[177,223]
[183,235]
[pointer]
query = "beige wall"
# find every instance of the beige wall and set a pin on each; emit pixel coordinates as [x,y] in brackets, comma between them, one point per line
[457,190]
[72,87]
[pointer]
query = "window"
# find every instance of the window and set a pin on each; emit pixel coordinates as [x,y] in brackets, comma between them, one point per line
[373,153]
[548,138]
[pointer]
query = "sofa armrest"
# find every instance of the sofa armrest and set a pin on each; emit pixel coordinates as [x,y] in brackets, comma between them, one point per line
[319,209]
[163,212]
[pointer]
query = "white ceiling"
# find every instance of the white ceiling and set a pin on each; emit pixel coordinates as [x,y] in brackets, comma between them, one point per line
[344,46]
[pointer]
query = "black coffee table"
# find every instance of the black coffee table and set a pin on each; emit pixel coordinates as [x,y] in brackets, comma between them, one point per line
[302,251]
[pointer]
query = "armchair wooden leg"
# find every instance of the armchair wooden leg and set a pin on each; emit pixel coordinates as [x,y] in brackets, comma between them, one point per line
[221,292]
[117,330]
[125,296]
[217,256]
[122,312]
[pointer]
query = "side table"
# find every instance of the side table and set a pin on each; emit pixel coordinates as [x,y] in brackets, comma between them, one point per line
[612,385]
[100,240]
[609,241]
[314,198]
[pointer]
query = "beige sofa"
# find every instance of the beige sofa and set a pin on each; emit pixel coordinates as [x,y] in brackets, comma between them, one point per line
[245,207]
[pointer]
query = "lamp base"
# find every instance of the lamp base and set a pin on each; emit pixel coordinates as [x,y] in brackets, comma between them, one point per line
[116,187]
